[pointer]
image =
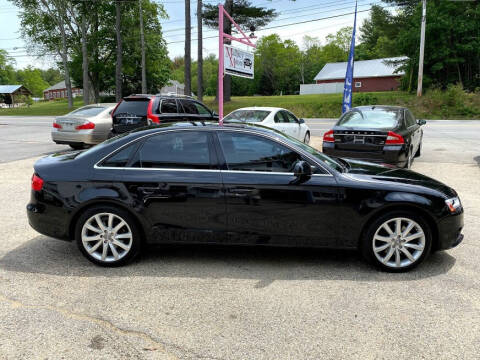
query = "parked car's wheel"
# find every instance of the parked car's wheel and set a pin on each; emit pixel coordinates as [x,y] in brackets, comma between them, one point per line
[419,150]
[397,242]
[76,146]
[306,140]
[107,236]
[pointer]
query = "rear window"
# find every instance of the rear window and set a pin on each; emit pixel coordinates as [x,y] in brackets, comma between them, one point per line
[247,116]
[135,107]
[88,111]
[376,119]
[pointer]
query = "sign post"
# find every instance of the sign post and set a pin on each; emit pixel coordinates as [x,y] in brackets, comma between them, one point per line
[239,63]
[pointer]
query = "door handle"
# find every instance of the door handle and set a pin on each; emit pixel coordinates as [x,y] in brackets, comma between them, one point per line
[241,191]
[148,190]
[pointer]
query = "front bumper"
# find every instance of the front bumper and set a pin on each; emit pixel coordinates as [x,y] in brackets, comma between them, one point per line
[80,136]
[450,231]
[391,154]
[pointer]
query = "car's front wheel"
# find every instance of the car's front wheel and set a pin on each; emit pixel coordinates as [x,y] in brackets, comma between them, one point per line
[397,241]
[107,236]
[306,140]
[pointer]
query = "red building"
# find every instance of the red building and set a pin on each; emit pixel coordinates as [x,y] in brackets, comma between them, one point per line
[59,91]
[368,75]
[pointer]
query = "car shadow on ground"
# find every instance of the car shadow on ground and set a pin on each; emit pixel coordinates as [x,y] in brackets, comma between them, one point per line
[266,264]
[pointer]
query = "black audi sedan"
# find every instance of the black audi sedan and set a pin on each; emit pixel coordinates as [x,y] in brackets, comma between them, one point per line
[382,134]
[237,184]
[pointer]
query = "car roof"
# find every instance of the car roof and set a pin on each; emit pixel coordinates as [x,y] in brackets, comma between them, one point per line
[264,108]
[150,96]
[378,107]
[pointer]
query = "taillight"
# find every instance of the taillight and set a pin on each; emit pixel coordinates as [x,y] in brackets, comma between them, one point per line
[87,126]
[56,125]
[37,183]
[394,138]
[114,109]
[328,136]
[150,115]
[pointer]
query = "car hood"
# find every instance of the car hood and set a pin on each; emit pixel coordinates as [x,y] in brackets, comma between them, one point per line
[363,170]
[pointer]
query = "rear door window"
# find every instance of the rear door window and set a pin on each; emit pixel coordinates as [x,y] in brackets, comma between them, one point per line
[189,107]
[175,150]
[121,158]
[168,106]
[135,107]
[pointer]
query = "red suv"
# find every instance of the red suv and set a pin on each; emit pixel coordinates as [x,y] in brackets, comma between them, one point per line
[139,110]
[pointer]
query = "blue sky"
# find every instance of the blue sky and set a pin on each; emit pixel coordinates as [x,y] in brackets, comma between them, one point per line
[289,12]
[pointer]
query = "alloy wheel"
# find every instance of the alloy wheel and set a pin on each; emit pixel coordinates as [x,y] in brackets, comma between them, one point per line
[307,138]
[398,242]
[106,237]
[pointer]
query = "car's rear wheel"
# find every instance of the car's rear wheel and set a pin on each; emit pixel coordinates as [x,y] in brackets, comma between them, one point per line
[107,236]
[306,140]
[76,146]
[397,242]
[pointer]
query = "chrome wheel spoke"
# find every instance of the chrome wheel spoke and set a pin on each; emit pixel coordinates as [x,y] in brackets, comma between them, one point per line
[100,222]
[91,238]
[110,221]
[123,236]
[408,229]
[413,246]
[397,257]
[120,244]
[387,228]
[383,238]
[398,226]
[414,236]
[381,248]
[104,251]
[119,226]
[408,254]
[389,255]
[93,228]
[94,247]
[114,251]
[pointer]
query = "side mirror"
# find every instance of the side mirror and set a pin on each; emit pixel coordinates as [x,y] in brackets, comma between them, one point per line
[421,122]
[301,121]
[302,169]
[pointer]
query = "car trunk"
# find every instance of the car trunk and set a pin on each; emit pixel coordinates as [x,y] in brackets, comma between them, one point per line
[368,140]
[69,123]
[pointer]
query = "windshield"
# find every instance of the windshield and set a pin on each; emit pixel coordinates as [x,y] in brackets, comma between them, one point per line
[88,111]
[317,154]
[371,119]
[247,116]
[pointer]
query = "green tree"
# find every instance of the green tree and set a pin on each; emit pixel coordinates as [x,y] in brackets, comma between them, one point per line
[32,79]
[7,72]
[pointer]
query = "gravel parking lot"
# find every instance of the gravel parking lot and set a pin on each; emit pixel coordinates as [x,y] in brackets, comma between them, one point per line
[194,302]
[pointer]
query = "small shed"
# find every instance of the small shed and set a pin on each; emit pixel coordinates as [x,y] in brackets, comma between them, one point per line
[9,92]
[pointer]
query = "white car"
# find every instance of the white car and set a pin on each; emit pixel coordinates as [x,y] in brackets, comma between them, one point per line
[275,118]
[88,125]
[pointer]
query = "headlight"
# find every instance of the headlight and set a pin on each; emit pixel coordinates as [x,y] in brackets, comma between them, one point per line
[453,204]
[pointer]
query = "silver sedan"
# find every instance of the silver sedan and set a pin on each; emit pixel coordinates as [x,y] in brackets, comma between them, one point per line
[88,125]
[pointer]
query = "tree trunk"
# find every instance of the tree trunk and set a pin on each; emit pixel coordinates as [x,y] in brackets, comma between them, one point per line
[64,55]
[227,29]
[118,68]
[188,54]
[86,80]
[200,52]
[142,49]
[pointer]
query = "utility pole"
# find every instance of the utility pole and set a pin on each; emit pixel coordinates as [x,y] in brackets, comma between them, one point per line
[142,47]
[188,49]
[118,67]
[199,52]
[422,48]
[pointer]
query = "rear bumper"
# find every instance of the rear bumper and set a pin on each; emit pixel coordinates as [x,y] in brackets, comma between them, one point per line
[391,154]
[48,219]
[450,232]
[80,136]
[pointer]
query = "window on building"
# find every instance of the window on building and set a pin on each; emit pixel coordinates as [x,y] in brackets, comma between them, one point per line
[358,84]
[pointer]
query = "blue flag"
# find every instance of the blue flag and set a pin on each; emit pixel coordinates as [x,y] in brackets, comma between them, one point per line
[347,87]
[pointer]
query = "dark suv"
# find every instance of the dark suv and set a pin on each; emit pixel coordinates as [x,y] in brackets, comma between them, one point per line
[141,110]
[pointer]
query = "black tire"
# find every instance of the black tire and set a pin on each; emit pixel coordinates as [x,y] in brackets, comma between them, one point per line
[419,150]
[306,139]
[76,146]
[367,242]
[135,244]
